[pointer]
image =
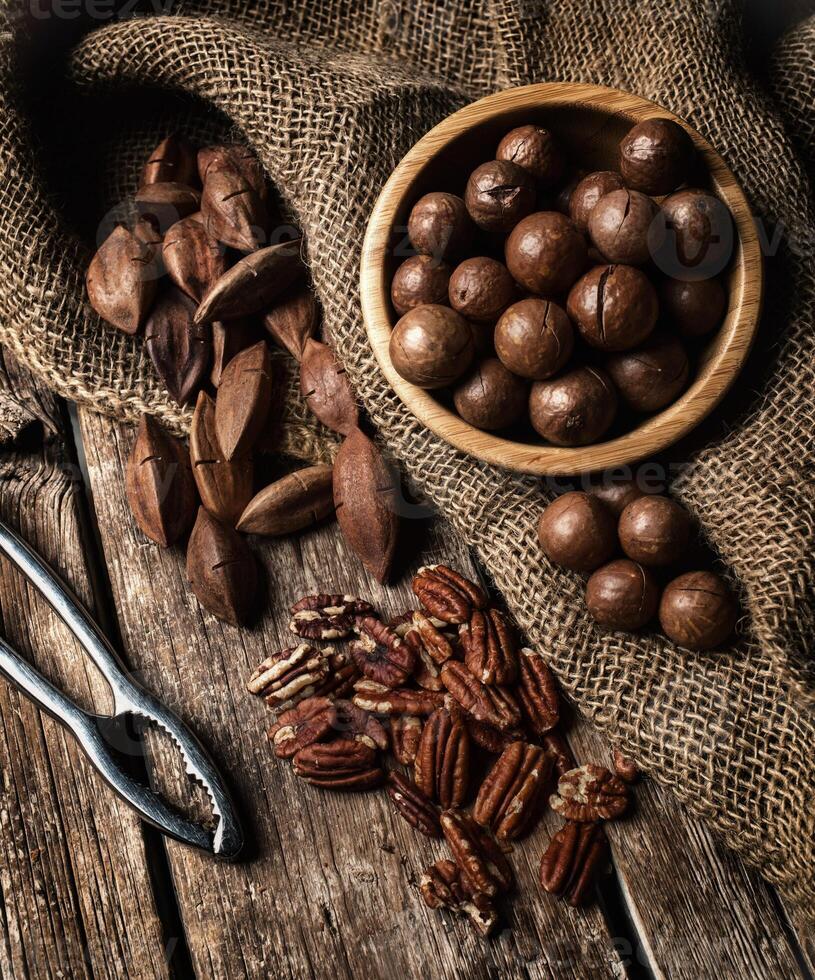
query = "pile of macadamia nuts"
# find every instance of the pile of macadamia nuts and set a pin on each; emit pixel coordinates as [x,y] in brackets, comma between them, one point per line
[566,301]
[586,531]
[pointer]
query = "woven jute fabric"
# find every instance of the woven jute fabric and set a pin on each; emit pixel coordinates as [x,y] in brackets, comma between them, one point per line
[792,76]
[331,94]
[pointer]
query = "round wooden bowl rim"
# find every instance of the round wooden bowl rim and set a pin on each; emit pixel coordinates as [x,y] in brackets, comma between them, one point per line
[658,432]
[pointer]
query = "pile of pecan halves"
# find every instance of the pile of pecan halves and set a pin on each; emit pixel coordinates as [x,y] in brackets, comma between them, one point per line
[433,687]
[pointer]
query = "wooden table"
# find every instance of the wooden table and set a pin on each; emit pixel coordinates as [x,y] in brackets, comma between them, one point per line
[329,889]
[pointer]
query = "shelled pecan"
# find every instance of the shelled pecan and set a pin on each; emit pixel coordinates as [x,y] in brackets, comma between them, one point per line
[442,887]
[413,805]
[509,799]
[446,594]
[484,868]
[344,764]
[442,767]
[557,746]
[406,733]
[327,617]
[290,675]
[489,647]
[380,654]
[590,793]
[625,768]
[312,720]
[341,677]
[537,692]
[394,701]
[357,723]
[494,705]
[572,861]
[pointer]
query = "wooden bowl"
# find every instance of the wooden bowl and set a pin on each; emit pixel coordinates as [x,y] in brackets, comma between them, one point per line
[590,121]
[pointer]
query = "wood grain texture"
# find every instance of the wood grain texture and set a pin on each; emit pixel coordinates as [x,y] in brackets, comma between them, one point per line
[75,893]
[331,888]
[593,119]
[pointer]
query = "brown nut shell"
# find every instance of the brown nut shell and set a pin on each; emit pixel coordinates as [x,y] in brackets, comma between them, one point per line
[490,397]
[439,225]
[326,389]
[293,320]
[695,307]
[535,150]
[431,346]
[122,280]
[221,569]
[173,160]
[545,253]
[655,156]
[588,191]
[577,531]
[290,504]
[614,307]
[655,530]
[619,226]
[180,349]
[698,610]
[225,485]
[651,376]
[498,195]
[622,595]
[419,280]
[694,238]
[481,289]
[574,409]
[534,338]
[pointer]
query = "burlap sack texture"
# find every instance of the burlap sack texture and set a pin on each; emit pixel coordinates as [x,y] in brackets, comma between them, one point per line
[331,98]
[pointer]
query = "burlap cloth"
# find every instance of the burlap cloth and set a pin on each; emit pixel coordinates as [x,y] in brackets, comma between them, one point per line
[331,94]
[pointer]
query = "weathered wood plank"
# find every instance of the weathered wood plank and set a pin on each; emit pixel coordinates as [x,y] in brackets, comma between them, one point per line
[75,894]
[331,890]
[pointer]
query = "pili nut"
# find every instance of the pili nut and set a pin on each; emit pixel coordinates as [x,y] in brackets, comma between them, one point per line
[325,387]
[174,161]
[252,283]
[357,723]
[442,766]
[234,200]
[446,594]
[383,700]
[293,320]
[365,500]
[590,793]
[344,764]
[225,485]
[625,768]
[122,280]
[180,350]
[495,706]
[538,692]
[193,260]
[380,654]
[406,733]
[160,487]
[229,338]
[489,646]
[167,202]
[484,867]
[327,617]
[509,799]
[244,397]
[221,569]
[290,676]
[557,746]
[312,720]
[572,861]
[413,805]
[441,886]
[294,502]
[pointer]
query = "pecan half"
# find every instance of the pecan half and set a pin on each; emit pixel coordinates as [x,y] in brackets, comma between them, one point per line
[289,676]
[625,768]
[557,746]
[345,764]
[572,860]
[590,793]
[394,701]
[447,595]
[494,705]
[327,617]
[489,738]
[489,647]
[442,767]
[380,654]
[432,646]
[312,720]
[406,733]
[360,724]
[484,868]
[537,692]
[508,799]
[442,886]
[342,675]
[413,805]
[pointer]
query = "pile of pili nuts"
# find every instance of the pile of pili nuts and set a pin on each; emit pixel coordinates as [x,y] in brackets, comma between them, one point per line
[435,688]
